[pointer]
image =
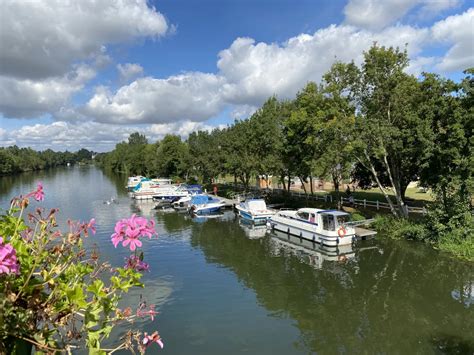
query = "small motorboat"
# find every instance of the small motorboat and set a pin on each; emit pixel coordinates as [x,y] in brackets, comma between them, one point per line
[255,210]
[204,204]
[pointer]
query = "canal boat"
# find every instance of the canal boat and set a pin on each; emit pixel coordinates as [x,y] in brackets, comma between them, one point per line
[204,204]
[254,210]
[327,227]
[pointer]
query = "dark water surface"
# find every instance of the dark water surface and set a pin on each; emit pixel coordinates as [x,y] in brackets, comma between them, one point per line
[224,288]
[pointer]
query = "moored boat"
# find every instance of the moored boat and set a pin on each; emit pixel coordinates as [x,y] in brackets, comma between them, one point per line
[254,210]
[201,204]
[327,227]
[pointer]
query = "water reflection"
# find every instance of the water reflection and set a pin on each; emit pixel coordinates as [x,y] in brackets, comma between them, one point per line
[252,230]
[307,251]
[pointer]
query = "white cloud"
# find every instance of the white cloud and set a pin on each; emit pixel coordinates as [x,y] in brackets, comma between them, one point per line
[25,98]
[255,71]
[189,96]
[457,30]
[42,38]
[46,46]
[249,73]
[129,71]
[378,14]
[91,135]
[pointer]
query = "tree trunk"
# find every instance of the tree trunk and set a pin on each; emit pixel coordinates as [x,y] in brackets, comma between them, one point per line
[376,177]
[283,181]
[311,184]
[289,182]
[302,184]
[396,188]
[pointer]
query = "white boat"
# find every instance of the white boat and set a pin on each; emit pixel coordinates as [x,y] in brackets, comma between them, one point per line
[151,190]
[327,227]
[133,181]
[203,204]
[182,203]
[254,210]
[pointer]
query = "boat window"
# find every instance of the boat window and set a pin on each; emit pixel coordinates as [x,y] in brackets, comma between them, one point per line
[303,215]
[343,219]
[312,218]
[328,222]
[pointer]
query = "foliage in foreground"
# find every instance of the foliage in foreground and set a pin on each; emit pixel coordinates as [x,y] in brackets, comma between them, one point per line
[57,295]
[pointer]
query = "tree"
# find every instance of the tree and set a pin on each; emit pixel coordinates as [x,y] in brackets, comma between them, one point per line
[388,127]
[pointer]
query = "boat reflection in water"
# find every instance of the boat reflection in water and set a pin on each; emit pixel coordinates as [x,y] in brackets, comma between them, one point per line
[308,251]
[252,230]
[221,216]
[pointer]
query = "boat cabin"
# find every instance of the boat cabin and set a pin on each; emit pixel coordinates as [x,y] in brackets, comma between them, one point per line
[329,220]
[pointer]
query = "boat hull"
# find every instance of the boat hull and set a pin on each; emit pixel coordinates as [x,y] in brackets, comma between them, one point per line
[310,233]
[262,218]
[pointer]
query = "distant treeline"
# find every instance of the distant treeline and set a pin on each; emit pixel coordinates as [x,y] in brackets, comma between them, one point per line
[373,123]
[16,160]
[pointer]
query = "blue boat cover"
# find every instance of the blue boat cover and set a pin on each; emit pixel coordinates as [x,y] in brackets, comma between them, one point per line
[200,199]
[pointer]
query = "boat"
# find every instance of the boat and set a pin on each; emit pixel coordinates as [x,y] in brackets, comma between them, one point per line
[148,189]
[182,203]
[133,181]
[327,227]
[203,204]
[254,210]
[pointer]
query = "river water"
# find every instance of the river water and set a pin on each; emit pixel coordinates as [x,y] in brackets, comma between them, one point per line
[222,287]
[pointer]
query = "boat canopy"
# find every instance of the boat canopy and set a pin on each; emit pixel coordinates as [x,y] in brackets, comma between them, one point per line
[201,199]
[256,205]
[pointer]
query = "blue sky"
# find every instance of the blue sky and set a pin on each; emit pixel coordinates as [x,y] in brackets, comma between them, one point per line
[88,74]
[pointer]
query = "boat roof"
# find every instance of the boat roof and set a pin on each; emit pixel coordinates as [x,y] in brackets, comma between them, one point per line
[317,210]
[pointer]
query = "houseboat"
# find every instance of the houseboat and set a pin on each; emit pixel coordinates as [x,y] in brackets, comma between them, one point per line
[326,227]
[254,210]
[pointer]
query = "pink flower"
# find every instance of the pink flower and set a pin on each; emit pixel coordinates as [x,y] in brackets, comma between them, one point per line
[154,338]
[39,194]
[134,262]
[8,261]
[128,231]
[151,312]
[91,226]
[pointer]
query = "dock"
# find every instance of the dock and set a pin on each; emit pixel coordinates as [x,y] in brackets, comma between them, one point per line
[364,234]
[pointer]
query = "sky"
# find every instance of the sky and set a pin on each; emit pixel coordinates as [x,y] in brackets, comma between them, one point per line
[86,74]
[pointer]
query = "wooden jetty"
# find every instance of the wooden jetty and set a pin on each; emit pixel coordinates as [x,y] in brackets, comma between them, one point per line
[364,234]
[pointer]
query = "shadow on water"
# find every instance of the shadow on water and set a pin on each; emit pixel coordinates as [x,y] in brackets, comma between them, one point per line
[452,344]
[379,298]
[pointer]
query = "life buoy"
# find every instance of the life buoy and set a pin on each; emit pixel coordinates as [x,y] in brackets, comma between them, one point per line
[341,232]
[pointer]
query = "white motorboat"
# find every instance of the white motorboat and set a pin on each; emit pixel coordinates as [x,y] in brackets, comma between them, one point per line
[182,203]
[133,181]
[151,190]
[255,210]
[327,227]
[203,204]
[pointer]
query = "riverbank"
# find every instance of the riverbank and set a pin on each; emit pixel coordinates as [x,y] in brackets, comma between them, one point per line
[415,228]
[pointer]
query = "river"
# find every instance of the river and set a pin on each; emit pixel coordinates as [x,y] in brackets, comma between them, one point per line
[222,287]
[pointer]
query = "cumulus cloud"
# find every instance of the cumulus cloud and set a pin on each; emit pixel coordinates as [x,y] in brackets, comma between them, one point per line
[189,96]
[377,14]
[43,41]
[457,30]
[249,73]
[26,98]
[129,71]
[95,136]
[43,38]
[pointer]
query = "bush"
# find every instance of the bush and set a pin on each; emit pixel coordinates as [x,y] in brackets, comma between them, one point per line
[399,228]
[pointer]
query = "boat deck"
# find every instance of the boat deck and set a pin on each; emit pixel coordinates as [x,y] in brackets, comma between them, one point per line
[362,233]
[228,202]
